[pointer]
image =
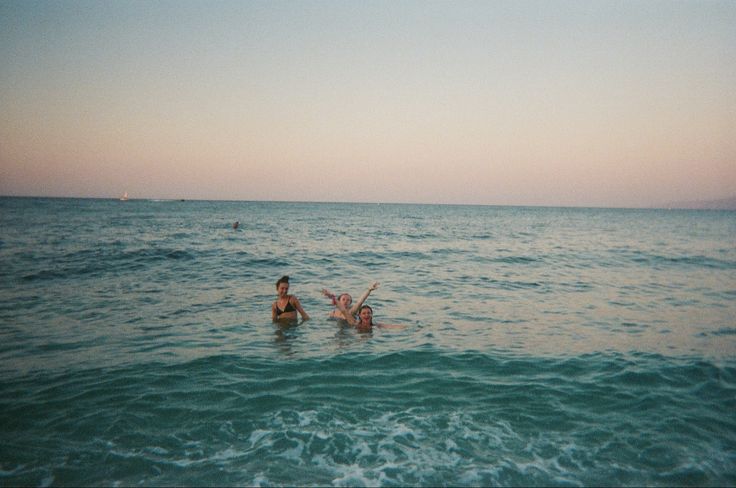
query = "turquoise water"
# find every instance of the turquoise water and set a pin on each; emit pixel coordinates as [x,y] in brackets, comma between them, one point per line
[541,346]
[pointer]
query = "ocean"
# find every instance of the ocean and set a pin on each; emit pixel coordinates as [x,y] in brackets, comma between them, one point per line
[538,347]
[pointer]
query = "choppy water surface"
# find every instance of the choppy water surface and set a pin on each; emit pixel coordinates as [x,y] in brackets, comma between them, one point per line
[541,346]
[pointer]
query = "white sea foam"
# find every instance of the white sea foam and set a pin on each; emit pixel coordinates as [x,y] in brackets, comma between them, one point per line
[260,480]
[396,448]
[354,476]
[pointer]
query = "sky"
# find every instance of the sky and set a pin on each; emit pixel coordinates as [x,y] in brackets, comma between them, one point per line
[621,103]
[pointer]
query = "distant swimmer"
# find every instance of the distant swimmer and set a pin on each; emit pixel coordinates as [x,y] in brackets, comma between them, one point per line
[236,224]
[364,323]
[347,301]
[286,306]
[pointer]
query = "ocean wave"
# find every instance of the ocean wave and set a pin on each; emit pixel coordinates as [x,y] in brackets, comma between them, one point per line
[658,260]
[367,258]
[516,260]
[417,417]
[106,259]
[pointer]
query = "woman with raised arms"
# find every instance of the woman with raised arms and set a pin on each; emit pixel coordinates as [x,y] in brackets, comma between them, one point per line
[364,323]
[347,301]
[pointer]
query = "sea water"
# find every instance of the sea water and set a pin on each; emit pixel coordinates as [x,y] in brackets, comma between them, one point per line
[539,346]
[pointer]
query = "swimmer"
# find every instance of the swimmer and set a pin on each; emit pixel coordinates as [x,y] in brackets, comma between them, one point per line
[365,319]
[286,306]
[236,224]
[347,301]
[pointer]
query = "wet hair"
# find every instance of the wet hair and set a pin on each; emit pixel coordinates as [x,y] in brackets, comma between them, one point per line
[341,294]
[283,279]
[369,308]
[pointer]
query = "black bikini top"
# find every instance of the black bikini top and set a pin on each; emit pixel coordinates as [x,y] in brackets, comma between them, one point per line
[288,308]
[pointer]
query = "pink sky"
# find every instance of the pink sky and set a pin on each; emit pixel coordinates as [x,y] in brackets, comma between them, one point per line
[522,103]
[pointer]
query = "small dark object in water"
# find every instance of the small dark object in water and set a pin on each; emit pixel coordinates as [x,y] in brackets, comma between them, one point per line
[236,224]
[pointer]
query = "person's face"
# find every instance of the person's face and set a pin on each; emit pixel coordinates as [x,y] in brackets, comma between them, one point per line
[346,300]
[283,289]
[366,316]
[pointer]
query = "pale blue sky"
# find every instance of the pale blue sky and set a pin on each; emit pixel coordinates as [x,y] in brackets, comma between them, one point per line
[541,103]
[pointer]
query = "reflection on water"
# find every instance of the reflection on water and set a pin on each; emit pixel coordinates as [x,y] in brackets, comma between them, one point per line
[539,346]
[169,282]
[286,331]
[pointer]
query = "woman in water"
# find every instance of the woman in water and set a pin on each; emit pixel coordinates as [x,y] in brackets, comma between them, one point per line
[364,323]
[347,301]
[286,306]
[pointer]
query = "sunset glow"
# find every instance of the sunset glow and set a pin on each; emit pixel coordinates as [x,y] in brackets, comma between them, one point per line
[511,103]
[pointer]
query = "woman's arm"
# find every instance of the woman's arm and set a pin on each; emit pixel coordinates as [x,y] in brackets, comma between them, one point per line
[354,309]
[273,311]
[298,307]
[331,296]
[346,313]
[334,314]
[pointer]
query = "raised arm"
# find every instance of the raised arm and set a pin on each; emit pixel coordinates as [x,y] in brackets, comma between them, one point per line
[356,306]
[329,295]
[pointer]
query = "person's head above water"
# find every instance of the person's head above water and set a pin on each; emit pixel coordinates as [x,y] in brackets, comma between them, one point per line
[282,286]
[365,316]
[345,299]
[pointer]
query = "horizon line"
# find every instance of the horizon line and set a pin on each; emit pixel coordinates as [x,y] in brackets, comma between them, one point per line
[681,205]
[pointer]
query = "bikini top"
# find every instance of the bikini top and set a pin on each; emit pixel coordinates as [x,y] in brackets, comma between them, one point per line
[288,308]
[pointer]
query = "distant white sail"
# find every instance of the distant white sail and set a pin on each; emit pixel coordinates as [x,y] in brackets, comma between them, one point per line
[124,198]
